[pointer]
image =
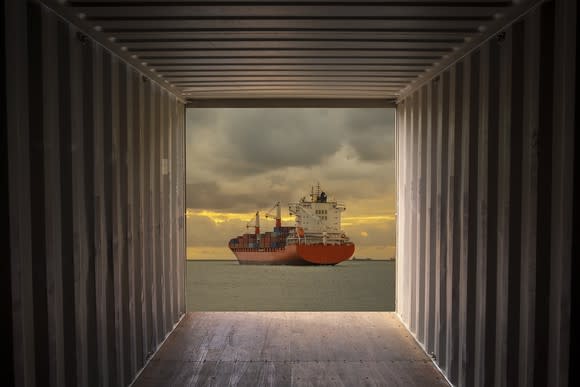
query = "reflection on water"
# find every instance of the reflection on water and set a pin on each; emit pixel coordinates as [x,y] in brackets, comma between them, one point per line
[349,286]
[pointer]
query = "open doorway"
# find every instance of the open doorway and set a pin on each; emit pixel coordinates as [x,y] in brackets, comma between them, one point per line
[239,161]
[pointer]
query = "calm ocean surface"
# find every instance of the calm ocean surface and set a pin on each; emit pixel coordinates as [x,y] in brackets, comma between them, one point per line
[349,286]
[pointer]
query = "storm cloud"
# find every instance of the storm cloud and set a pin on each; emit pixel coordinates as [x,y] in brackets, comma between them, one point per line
[212,196]
[240,159]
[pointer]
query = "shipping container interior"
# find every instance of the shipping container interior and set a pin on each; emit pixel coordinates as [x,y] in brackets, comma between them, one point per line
[94,95]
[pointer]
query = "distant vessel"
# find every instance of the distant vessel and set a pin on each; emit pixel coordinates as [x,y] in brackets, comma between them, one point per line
[316,238]
[361,259]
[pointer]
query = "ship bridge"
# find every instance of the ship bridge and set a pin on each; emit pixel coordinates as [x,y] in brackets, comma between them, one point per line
[94,94]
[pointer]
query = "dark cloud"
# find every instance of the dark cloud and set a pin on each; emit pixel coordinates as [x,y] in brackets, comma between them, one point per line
[371,133]
[363,120]
[242,160]
[266,139]
[211,196]
[373,148]
[249,142]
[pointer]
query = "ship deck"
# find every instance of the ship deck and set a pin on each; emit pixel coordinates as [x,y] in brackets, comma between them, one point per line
[290,349]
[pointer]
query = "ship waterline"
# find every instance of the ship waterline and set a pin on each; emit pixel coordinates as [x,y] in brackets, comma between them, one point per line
[315,254]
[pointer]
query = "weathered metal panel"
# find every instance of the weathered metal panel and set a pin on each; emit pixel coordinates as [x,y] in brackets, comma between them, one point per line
[412,206]
[564,136]
[428,218]
[442,171]
[116,218]
[99,215]
[156,214]
[403,190]
[132,221]
[171,248]
[137,219]
[52,182]
[453,219]
[180,208]
[468,232]
[529,196]
[88,150]
[66,237]
[503,205]
[80,240]
[144,214]
[482,214]
[108,257]
[164,167]
[491,291]
[74,142]
[152,160]
[147,243]
[515,211]
[126,338]
[40,311]
[421,211]
[7,350]
[19,175]
[507,215]
[408,220]
[430,192]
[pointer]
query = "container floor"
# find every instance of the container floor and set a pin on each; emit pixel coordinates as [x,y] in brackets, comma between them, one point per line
[290,349]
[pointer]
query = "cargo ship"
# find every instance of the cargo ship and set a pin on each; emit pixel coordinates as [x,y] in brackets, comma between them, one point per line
[315,239]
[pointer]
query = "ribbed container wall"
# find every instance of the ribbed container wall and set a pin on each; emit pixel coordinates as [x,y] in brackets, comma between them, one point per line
[485,203]
[95,161]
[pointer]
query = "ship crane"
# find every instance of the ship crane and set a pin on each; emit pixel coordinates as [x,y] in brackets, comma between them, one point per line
[277,217]
[256,225]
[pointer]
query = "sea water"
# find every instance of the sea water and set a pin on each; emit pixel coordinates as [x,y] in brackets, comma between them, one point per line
[348,286]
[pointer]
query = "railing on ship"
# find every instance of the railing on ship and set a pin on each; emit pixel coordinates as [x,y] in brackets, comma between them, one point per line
[333,239]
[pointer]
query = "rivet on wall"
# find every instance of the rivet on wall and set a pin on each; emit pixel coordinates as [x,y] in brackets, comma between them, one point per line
[82,38]
[500,37]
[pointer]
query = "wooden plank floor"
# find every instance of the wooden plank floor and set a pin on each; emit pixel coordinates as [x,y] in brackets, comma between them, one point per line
[290,349]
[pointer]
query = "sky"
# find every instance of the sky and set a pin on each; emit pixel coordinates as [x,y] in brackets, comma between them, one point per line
[243,160]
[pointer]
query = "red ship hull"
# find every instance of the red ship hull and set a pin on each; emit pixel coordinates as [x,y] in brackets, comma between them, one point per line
[315,254]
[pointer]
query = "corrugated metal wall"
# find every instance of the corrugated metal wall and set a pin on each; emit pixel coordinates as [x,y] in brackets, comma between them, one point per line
[95,155]
[485,172]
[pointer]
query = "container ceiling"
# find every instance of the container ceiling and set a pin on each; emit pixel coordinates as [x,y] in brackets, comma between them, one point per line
[258,50]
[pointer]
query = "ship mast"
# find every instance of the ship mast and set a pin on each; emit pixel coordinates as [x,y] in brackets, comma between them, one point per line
[257,225]
[278,215]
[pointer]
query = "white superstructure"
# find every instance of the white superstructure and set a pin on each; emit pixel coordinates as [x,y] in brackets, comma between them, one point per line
[318,219]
